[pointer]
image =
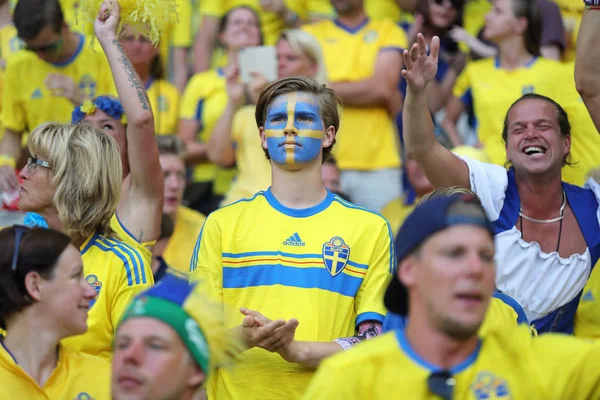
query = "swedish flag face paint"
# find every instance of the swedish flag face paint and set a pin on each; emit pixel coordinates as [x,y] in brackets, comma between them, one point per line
[294,129]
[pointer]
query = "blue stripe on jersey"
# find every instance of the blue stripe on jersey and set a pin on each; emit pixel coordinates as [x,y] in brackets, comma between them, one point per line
[194,260]
[509,301]
[282,254]
[135,256]
[90,243]
[391,235]
[125,229]
[199,110]
[369,316]
[278,274]
[121,256]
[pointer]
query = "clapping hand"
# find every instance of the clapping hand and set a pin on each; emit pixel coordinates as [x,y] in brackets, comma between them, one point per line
[260,331]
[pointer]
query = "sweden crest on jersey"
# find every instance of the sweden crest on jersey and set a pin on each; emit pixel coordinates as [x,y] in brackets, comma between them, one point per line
[97,285]
[489,387]
[336,254]
[84,396]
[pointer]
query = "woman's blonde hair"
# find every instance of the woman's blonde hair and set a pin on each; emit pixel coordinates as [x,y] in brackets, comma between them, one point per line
[87,173]
[303,42]
[448,191]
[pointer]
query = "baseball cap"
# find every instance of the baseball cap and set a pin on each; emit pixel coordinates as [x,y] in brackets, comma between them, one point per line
[426,220]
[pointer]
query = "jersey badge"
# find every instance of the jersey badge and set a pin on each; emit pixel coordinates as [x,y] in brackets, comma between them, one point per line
[528,89]
[588,296]
[97,285]
[83,396]
[336,254]
[489,387]
[87,84]
[37,94]
[370,36]
[163,103]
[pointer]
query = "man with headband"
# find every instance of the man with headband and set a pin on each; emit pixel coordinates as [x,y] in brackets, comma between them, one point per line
[169,340]
[295,252]
[443,285]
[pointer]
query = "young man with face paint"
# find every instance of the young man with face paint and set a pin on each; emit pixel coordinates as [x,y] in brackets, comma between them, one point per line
[297,253]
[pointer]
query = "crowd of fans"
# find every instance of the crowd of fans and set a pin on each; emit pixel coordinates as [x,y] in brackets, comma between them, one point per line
[407,205]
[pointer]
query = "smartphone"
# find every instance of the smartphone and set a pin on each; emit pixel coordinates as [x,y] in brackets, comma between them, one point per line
[260,59]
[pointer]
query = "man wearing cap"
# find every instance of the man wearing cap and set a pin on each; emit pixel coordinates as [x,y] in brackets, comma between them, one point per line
[169,340]
[444,282]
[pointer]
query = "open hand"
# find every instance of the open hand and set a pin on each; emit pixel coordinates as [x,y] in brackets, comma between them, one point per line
[260,331]
[108,19]
[420,67]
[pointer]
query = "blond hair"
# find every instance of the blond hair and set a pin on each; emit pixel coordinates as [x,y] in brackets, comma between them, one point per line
[87,173]
[170,145]
[304,43]
[447,191]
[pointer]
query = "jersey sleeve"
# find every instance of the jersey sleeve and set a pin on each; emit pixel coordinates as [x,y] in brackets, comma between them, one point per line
[13,108]
[462,88]
[369,299]
[192,100]
[211,8]
[181,35]
[395,39]
[489,182]
[206,264]
[137,278]
[240,120]
[570,366]
[333,381]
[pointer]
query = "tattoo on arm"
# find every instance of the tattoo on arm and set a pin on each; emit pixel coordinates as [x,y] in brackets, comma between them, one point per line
[133,77]
[366,330]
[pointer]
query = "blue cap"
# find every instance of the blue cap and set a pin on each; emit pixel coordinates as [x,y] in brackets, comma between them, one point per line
[426,220]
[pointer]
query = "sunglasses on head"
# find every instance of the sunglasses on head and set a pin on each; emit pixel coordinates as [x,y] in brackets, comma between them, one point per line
[19,232]
[47,48]
[454,3]
[441,384]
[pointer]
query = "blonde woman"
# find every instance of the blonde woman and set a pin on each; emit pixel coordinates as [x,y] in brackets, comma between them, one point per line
[235,139]
[73,180]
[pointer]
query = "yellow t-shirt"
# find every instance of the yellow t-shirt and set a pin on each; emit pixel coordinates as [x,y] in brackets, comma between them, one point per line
[396,212]
[507,364]
[9,41]
[164,99]
[491,90]
[118,271]
[587,317]
[585,140]
[386,9]
[367,139]
[203,101]
[27,102]
[327,266]
[188,225]
[253,168]
[77,376]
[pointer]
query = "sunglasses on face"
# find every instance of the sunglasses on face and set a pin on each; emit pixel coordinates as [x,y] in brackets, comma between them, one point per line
[441,384]
[454,3]
[19,232]
[47,48]
[33,162]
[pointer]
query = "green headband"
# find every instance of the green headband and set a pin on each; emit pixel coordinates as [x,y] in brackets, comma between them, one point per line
[170,313]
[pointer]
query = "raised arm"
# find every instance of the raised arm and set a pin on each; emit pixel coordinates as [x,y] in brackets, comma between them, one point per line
[586,63]
[440,165]
[140,208]
[205,42]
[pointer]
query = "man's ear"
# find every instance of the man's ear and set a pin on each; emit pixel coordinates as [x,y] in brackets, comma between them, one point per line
[329,137]
[263,137]
[406,271]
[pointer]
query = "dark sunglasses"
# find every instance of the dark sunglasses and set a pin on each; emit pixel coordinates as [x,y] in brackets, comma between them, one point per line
[441,384]
[20,230]
[454,3]
[47,48]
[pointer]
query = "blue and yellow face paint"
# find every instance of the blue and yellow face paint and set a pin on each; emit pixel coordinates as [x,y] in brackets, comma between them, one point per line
[294,130]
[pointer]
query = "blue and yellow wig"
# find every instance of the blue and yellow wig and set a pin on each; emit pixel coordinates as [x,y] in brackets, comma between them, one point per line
[111,106]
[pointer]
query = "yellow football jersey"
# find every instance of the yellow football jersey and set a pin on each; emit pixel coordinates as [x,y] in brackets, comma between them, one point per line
[9,41]
[396,212]
[118,272]
[585,140]
[507,364]
[129,238]
[77,376]
[203,101]
[27,102]
[164,99]
[367,139]
[327,266]
[253,168]
[386,9]
[491,90]
[188,225]
[587,317]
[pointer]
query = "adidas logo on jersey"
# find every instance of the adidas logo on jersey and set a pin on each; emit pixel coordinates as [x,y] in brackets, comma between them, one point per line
[294,240]
[37,94]
[588,296]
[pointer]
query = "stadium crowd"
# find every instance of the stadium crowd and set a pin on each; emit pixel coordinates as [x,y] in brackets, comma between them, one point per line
[299,199]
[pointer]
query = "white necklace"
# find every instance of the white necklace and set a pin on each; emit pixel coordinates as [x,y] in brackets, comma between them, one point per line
[547,221]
